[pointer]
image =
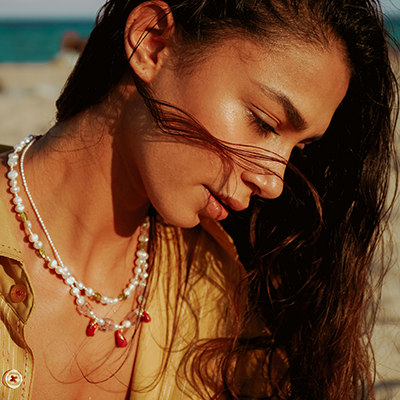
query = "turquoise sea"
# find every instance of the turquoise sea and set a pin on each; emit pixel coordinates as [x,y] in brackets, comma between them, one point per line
[39,40]
[36,40]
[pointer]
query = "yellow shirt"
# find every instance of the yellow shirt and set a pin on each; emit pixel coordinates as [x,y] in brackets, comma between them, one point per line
[215,273]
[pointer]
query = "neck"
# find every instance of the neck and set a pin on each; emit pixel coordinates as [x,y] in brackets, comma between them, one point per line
[79,185]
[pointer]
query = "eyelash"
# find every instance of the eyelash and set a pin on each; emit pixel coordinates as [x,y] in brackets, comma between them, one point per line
[262,126]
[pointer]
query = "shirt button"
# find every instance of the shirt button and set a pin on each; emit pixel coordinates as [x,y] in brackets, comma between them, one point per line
[19,293]
[12,379]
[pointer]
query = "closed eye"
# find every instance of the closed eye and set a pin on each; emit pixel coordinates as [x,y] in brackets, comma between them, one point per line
[262,127]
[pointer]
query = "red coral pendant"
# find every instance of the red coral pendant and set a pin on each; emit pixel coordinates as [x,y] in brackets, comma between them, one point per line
[120,340]
[91,328]
[145,317]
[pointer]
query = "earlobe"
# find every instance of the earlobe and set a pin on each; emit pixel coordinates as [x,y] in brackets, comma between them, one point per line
[148,33]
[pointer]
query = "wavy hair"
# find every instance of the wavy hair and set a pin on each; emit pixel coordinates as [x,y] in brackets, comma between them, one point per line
[309,254]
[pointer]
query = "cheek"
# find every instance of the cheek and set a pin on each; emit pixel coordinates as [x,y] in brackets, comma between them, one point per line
[172,180]
[173,169]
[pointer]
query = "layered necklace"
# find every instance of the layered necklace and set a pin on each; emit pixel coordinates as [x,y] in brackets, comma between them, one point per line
[82,293]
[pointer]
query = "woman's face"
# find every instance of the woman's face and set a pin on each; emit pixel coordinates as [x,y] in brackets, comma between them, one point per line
[243,93]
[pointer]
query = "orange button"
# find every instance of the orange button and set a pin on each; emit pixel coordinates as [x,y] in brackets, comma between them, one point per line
[12,379]
[19,293]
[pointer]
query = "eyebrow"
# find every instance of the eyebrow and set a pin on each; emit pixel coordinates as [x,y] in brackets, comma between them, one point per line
[292,113]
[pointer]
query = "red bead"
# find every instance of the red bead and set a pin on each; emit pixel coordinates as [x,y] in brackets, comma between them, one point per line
[120,340]
[91,328]
[145,317]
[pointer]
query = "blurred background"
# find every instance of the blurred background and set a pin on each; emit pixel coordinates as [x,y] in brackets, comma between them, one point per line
[40,41]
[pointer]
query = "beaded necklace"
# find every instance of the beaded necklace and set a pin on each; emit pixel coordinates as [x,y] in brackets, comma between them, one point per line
[78,290]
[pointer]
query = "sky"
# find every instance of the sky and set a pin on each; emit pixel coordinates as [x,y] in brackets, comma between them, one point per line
[88,8]
[50,8]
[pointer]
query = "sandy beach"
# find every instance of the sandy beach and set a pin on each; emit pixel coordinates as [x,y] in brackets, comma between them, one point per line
[27,96]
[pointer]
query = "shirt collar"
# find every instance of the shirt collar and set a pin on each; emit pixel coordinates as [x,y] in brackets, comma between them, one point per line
[8,243]
[15,285]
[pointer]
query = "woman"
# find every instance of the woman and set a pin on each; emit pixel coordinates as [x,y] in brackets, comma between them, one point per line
[185,111]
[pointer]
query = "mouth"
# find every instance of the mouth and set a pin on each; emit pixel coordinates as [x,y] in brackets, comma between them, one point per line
[229,203]
[221,201]
[215,206]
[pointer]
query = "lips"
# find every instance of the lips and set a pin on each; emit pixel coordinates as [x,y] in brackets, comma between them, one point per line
[232,203]
[214,206]
[218,206]
[219,199]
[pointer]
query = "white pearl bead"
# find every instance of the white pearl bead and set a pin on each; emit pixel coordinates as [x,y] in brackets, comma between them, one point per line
[66,275]
[59,270]
[17,200]
[18,147]
[141,300]
[145,275]
[143,284]
[127,292]
[80,285]
[13,155]
[135,282]
[75,291]
[12,162]
[91,313]
[100,321]
[28,225]
[104,300]
[33,238]
[15,189]
[89,292]
[131,287]
[26,139]
[126,324]
[52,264]
[143,238]
[70,281]
[20,208]
[116,327]
[138,270]
[142,254]
[12,174]
[80,301]
[38,245]
[13,182]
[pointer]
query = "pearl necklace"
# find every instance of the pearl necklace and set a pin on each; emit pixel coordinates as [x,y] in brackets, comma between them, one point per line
[77,288]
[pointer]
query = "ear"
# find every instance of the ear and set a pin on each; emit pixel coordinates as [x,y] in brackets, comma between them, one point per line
[148,35]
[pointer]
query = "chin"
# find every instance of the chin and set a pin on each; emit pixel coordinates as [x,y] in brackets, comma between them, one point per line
[180,221]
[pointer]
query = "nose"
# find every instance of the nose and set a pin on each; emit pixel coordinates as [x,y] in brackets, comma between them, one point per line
[268,183]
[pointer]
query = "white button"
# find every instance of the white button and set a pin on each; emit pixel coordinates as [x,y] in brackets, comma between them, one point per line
[12,379]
